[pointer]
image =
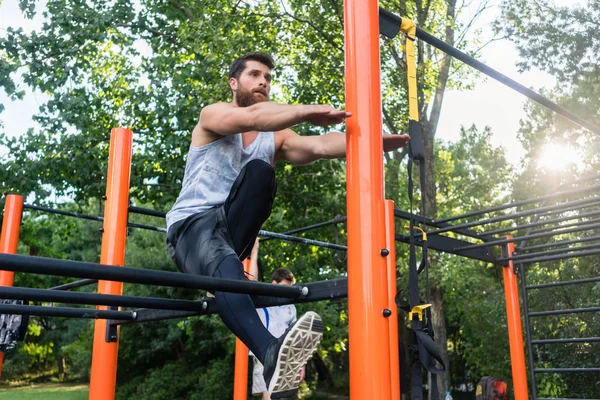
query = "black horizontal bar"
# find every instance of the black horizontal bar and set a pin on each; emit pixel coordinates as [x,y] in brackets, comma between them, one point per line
[578,223]
[534,236]
[522,203]
[90,217]
[147,227]
[571,340]
[302,240]
[559,257]
[478,65]
[516,215]
[561,312]
[332,289]
[66,312]
[336,220]
[61,212]
[520,257]
[74,285]
[552,370]
[427,221]
[561,243]
[564,283]
[147,211]
[19,293]
[448,245]
[78,269]
[540,223]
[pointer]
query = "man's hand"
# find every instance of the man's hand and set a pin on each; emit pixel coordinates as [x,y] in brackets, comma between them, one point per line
[394,142]
[324,115]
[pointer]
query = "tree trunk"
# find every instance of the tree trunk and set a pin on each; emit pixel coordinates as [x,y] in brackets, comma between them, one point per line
[438,321]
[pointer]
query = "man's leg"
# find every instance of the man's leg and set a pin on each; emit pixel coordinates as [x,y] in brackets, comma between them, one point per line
[238,312]
[247,207]
[249,204]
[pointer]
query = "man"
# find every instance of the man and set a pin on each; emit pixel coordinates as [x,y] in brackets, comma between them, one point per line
[227,193]
[276,319]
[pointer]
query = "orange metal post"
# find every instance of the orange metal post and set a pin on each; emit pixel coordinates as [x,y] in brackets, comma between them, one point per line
[240,378]
[367,278]
[104,355]
[11,225]
[390,244]
[515,330]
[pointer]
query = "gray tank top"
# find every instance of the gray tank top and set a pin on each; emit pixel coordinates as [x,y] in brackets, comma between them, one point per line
[211,169]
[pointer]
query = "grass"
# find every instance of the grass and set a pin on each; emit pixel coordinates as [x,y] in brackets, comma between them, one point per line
[46,392]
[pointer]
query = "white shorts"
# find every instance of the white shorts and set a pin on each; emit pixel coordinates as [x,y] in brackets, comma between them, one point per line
[258,381]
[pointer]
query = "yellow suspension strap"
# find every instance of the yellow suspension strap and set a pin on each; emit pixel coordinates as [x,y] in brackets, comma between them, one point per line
[420,314]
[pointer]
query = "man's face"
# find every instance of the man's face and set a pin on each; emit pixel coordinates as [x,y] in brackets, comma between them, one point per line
[253,86]
[283,282]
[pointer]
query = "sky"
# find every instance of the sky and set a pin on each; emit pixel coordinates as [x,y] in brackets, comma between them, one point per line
[490,103]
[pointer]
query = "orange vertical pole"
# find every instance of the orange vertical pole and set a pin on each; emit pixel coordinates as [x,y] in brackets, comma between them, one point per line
[240,378]
[515,329]
[390,244]
[11,225]
[367,278]
[104,354]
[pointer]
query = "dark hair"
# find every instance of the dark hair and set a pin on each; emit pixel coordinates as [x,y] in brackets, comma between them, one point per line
[283,274]
[239,65]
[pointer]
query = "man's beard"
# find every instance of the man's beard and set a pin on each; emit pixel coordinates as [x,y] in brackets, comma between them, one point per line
[246,98]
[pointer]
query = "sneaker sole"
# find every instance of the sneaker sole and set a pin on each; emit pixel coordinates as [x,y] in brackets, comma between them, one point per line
[297,348]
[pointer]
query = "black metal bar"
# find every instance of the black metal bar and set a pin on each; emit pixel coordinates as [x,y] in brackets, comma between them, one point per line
[578,223]
[78,269]
[337,220]
[146,211]
[90,217]
[66,312]
[439,44]
[560,257]
[521,203]
[56,296]
[74,285]
[552,370]
[303,240]
[524,257]
[535,236]
[570,340]
[147,227]
[540,223]
[61,212]
[448,245]
[427,221]
[561,243]
[478,65]
[332,289]
[564,283]
[515,215]
[561,312]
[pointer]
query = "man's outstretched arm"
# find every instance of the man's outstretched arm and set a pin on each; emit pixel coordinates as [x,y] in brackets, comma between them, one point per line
[302,150]
[228,119]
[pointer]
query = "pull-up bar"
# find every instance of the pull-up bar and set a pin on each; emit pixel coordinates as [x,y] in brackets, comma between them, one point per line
[389,25]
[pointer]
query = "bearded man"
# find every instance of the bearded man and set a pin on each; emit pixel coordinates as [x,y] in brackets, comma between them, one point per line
[227,194]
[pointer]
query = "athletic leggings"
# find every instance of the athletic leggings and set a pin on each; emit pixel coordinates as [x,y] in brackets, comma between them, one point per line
[247,207]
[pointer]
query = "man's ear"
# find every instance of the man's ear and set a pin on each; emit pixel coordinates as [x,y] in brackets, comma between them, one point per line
[233,84]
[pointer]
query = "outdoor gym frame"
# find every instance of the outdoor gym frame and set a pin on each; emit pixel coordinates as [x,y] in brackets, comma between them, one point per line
[371,283]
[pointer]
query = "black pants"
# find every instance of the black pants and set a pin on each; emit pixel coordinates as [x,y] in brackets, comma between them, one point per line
[247,207]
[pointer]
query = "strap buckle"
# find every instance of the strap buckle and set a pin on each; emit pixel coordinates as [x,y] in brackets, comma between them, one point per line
[419,311]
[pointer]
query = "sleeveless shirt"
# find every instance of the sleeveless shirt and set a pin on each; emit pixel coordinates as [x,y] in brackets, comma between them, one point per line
[211,169]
